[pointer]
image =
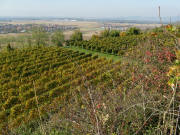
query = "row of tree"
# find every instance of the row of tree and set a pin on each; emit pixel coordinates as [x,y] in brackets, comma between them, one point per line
[117,33]
[41,37]
[57,38]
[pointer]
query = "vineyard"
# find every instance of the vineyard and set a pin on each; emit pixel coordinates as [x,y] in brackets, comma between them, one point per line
[119,45]
[86,89]
[45,74]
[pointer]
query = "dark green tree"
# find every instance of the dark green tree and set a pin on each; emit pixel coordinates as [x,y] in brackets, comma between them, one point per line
[77,36]
[58,38]
[114,33]
[158,30]
[133,31]
[40,36]
[29,41]
[9,48]
[105,33]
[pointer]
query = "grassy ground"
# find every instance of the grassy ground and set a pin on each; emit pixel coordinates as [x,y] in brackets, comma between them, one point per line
[108,56]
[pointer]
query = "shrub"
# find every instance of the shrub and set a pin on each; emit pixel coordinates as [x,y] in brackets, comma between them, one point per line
[40,36]
[9,48]
[105,33]
[158,30]
[133,31]
[114,33]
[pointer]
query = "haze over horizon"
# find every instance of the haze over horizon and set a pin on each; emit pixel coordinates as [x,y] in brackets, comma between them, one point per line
[84,8]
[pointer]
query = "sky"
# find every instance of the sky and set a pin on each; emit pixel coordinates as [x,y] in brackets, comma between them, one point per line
[88,8]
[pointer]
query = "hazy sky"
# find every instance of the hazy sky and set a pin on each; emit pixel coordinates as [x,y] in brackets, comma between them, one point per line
[89,8]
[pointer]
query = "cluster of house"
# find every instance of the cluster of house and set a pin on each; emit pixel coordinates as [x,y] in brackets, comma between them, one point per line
[126,26]
[117,27]
[22,28]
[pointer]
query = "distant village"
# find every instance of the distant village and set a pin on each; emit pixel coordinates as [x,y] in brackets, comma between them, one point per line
[23,28]
[126,26]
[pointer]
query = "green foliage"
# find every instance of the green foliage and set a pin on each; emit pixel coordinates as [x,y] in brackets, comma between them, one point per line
[9,48]
[133,31]
[56,132]
[158,30]
[105,33]
[95,37]
[110,33]
[114,33]
[25,87]
[40,36]
[29,41]
[110,45]
[77,36]
[32,129]
[3,116]
[58,38]
[51,85]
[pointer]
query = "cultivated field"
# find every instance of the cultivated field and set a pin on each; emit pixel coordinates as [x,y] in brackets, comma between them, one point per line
[87,27]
